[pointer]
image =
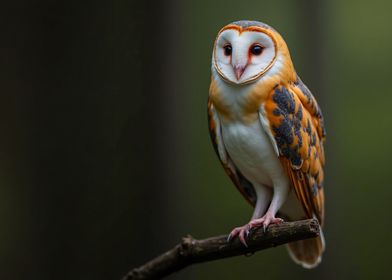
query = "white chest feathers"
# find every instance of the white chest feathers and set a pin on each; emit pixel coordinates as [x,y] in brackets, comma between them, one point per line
[251,150]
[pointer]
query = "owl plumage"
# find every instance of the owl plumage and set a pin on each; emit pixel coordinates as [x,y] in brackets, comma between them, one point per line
[268,132]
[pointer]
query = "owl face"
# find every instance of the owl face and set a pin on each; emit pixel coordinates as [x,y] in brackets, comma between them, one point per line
[241,55]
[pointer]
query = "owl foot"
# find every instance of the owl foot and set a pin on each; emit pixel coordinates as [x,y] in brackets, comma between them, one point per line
[242,232]
[264,221]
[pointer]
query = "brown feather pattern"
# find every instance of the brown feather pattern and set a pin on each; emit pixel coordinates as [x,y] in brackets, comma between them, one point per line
[297,125]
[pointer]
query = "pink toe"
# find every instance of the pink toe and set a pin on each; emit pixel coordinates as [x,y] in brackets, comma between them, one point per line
[234,233]
[242,237]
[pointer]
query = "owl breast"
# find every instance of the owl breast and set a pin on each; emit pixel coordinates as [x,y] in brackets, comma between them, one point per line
[251,150]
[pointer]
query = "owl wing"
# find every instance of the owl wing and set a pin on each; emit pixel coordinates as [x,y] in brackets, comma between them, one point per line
[296,127]
[243,185]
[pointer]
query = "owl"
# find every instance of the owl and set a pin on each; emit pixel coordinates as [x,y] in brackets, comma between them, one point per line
[268,132]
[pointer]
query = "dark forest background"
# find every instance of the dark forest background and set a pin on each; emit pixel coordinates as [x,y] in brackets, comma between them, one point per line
[105,158]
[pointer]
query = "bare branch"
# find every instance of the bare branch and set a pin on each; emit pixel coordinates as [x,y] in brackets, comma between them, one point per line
[191,251]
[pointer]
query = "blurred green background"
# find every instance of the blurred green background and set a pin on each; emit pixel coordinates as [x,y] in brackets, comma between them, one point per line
[105,158]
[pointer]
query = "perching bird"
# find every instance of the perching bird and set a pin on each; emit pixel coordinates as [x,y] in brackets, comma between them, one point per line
[268,132]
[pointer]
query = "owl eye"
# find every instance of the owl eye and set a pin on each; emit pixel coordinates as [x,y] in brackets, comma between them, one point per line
[256,49]
[228,49]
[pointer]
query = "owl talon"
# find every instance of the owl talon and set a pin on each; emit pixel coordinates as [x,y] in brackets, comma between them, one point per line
[245,231]
[242,233]
[242,237]
[264,222]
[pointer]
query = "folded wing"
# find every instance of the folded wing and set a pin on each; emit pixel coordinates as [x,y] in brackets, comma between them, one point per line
[243,185]
[296,124]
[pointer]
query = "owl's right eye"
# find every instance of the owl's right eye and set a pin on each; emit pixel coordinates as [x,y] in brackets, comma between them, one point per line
[228,49]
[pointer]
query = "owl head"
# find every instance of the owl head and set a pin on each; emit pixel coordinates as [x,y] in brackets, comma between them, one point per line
[244,51]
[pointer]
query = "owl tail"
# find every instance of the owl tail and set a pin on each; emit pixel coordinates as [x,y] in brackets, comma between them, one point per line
[307,252]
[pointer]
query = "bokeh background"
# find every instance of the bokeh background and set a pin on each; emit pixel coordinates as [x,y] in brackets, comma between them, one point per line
[105,158]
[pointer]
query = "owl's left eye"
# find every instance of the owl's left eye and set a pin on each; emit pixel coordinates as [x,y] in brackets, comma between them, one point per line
[228,49]
[256,49]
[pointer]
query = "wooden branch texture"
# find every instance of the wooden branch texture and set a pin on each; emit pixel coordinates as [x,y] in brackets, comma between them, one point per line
[191,251]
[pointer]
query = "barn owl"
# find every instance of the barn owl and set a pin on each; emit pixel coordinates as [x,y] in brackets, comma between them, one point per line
[268,132]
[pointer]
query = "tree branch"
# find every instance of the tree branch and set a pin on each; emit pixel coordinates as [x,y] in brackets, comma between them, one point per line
[191,250]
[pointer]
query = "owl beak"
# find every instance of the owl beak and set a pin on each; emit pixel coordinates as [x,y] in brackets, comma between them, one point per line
[239,70]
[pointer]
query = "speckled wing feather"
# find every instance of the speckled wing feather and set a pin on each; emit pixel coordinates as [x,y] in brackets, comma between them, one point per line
[243,185]
[297,125]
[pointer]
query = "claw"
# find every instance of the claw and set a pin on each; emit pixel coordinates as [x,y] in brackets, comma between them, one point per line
[234,233]
[242,238]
